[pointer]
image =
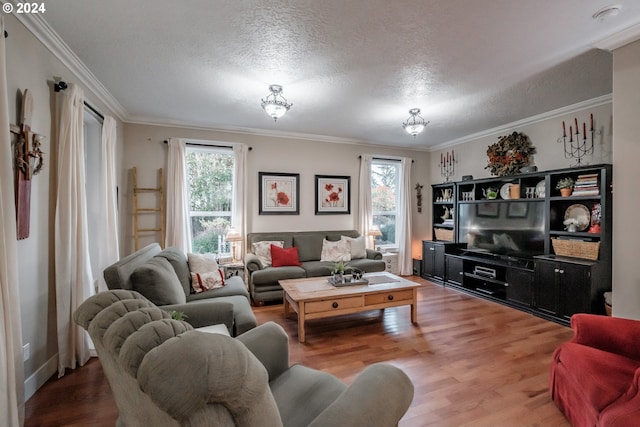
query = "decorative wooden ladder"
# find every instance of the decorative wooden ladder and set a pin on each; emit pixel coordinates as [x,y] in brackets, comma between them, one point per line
[137,211]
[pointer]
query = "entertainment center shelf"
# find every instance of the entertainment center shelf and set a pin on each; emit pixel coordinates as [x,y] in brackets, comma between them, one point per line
[517,241]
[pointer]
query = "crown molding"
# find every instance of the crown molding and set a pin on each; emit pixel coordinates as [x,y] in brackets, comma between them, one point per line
[52,41]
[624,37]
[590,103]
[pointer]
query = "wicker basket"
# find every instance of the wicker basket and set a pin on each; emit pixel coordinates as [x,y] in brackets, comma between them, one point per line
[444,234]
[576,248]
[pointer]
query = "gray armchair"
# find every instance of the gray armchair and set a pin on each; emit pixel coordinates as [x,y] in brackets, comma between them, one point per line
[162,372]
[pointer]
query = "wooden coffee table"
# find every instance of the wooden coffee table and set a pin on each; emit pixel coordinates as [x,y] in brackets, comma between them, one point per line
[316,298]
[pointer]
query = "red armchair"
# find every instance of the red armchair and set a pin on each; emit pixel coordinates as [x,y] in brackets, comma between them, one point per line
[595,377]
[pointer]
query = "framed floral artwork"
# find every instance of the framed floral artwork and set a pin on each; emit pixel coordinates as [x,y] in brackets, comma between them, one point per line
[279,193]
[333,195]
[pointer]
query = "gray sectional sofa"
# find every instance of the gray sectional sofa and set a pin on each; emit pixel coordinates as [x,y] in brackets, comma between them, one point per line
[163,277]
[263,281]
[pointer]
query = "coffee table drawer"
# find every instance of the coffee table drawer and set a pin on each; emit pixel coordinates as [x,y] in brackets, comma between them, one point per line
[391,296]
[333,304]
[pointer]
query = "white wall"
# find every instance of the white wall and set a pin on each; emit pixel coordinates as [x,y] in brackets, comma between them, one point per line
[144,148]
[31,66]
[626,176]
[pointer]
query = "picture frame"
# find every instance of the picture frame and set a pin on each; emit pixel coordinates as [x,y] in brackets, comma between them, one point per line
[278,193]
[488,209]
[517,210]
[333,194]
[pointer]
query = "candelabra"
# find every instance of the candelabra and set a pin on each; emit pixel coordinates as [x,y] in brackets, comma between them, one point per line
[578,145]
[447,165]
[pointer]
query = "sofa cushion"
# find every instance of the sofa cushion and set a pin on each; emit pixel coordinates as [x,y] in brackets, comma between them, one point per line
[318,268]
[282,257]
[309,246]
[600,377]
[233,286]
[358,246]
[263,250]
[178,261]
[157,281]
[271,275]
[335,251]
[367,265]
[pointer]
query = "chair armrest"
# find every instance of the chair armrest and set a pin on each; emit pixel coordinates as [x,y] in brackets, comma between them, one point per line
[625,411]
[270,344]
[611,334]
[252,262]
[205,313]
[379,396]
[371,254]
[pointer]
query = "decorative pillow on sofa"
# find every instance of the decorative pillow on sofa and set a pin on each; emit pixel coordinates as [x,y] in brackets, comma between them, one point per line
[336,251]
[205,272]
[263,250]
[358,246]
[157,281]
[282,257]
[178,260]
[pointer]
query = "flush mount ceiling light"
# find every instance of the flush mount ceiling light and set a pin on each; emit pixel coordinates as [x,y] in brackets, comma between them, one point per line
[607,12]
[275,104]
[415,123]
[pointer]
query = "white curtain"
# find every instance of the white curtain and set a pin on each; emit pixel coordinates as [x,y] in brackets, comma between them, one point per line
[72,262]
[11,364]
[177,220]
[238,217]
[365,214]
[109,251]
[403,221]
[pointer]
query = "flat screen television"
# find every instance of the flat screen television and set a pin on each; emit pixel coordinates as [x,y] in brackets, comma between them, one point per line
[511,228]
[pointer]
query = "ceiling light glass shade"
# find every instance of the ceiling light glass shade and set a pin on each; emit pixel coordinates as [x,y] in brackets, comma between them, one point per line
[275,104]
[415,123]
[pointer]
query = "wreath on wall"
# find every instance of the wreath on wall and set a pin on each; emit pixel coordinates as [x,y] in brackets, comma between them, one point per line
[509,154]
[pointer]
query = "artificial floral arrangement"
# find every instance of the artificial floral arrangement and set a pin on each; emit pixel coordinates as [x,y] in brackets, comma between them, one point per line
[510,154]
[177,315]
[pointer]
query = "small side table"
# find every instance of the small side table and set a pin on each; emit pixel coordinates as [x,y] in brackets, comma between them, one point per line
[234,269]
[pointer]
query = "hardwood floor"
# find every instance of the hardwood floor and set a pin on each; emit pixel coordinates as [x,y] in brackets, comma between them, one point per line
[472,362]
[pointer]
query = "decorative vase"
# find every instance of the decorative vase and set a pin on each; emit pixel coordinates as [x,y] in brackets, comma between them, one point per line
[565,192]
[338,277]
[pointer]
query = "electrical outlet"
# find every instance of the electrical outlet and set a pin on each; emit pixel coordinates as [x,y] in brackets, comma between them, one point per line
[26,351]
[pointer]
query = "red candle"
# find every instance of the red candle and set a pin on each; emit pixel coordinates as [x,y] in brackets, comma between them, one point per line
[584,130]
[577,128]
[591,116]
[564,130]
[570,134]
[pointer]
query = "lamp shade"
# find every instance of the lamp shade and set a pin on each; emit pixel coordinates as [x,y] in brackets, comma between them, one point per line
[233,235]
[374,231]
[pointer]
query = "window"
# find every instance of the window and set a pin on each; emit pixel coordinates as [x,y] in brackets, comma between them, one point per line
[210,180]
[384,187]
[92,130]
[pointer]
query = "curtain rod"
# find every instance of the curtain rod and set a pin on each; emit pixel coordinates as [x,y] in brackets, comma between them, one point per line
[388,160]
[62,85]
[206,145]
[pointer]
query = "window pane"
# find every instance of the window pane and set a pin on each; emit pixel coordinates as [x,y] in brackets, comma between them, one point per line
[384,184]
[210,175]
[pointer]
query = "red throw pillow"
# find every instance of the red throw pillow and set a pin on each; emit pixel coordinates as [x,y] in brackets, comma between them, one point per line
[281,257]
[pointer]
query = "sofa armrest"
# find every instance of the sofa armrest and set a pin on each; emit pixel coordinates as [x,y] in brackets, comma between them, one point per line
[252,262]
[270,344]
[611,334]
[371,254]
[379,396]
[205,313]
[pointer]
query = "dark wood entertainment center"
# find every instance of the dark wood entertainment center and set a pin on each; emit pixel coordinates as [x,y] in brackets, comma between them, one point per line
[518,248]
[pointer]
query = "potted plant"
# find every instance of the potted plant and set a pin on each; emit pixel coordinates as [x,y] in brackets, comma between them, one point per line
[338,271]
[565,185]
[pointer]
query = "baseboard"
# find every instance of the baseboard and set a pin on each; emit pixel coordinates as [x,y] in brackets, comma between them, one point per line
[40,376]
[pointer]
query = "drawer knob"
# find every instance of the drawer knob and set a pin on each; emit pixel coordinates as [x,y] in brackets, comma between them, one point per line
[334,305]
[390,297]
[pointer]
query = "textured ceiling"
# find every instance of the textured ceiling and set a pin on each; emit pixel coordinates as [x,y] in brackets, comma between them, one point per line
[352,69]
